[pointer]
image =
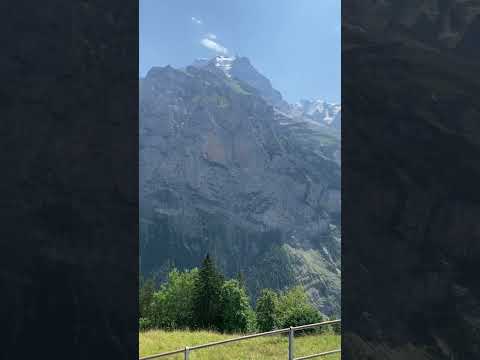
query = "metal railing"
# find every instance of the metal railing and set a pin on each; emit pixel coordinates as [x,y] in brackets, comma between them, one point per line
[291,337]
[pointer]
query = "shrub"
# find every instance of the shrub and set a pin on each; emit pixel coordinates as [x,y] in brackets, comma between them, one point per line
[251,321]
[267,310]
[237,314]
[144,323]
[172,305]
[295,309]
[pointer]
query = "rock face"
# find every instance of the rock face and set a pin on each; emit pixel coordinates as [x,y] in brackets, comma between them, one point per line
[224,171]
[241,68]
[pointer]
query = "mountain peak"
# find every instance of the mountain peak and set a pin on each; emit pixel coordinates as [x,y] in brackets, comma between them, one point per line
[240,68]
[319,111]
[226,63]
[223,63]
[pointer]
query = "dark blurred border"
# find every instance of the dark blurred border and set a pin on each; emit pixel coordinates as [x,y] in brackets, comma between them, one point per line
[69,179]
[411,177]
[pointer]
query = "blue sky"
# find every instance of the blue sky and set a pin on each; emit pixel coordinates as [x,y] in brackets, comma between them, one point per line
[295,43]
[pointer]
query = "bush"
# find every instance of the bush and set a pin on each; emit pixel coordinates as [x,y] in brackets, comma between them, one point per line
[295,309]
[252,325]
[144,323]
[172,305]
[301,316]
[267,310]
[237,315]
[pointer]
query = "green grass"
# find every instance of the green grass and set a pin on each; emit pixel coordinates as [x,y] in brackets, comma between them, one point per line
[264,348]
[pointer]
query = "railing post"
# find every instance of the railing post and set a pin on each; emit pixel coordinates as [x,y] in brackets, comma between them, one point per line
[187,353]
[291,334]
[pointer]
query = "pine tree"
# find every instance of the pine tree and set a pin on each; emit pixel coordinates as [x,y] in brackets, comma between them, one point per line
[207,296]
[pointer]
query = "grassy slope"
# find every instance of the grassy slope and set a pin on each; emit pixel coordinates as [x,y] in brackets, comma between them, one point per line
[265,348]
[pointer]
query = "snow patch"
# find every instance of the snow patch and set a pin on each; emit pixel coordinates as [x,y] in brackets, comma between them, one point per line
[224,63]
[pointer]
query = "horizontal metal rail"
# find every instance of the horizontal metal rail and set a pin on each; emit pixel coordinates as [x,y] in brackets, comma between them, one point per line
[309,326]
[318,355]
[187,349]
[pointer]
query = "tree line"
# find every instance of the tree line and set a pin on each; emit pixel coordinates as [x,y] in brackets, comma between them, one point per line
[204,299]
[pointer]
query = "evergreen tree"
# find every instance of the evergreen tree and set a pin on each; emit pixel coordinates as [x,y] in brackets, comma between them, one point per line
[207,296]
[267,310]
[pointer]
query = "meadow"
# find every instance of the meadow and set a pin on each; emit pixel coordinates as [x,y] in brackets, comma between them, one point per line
[264,348]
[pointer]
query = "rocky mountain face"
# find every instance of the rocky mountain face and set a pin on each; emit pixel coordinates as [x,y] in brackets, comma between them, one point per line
[226,168]
[241,68]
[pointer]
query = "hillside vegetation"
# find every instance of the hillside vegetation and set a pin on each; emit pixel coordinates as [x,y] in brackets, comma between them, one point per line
[204,299]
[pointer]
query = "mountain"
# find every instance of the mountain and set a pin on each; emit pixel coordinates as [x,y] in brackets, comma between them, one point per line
[224,170]
[319,111]
[241,68]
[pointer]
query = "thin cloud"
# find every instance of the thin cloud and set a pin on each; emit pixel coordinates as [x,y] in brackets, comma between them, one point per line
[197,21]
[211,36]
[212,45]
